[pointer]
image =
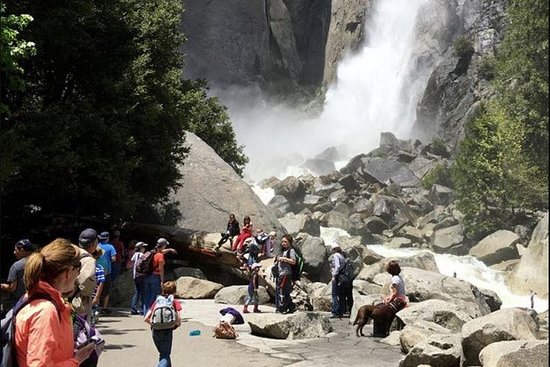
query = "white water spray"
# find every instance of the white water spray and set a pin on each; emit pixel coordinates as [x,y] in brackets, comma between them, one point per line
[368,97]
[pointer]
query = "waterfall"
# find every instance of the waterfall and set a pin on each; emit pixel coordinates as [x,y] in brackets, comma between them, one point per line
[373,93]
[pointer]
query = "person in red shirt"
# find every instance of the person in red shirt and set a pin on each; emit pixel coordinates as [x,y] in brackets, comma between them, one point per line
[153,281]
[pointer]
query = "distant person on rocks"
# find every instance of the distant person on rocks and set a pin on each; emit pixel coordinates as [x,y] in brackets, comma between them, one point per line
[163,338]
[253,285]
[106,260]
[14,284]
[246,231]
[532,298]
[232,230]
[82,297]
[336,264]
[43,327]
[116,266]
[285,261]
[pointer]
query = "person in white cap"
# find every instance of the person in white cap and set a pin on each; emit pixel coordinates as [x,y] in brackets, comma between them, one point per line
[135,304]
[253,288]
[336,263]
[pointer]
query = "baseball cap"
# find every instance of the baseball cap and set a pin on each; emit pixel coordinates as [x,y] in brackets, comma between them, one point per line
[256,265]
[87,236]
[273,233]
[103,236]
[334,245]
[25,244]
[162,242]
[140,244]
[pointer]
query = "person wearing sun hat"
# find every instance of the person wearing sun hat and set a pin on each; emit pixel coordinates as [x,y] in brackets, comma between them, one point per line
[14,284]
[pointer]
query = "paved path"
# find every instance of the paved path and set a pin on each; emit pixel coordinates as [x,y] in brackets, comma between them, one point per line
[129,344]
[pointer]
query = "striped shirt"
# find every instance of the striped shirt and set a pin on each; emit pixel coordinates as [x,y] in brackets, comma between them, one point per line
[99,277]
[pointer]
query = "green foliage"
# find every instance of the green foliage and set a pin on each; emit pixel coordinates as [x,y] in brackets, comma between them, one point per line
[208,119]
[13,50]
[492,177]
[522,74]
[462,47]
[100,130]
[439,147]
[440,174]
[486,68]
[503,161]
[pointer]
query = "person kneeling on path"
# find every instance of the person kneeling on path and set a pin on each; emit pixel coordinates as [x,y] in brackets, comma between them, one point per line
[164,317]
[253,288]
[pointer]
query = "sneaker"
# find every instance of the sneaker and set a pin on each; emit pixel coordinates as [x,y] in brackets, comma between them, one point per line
[334,316]
[246,311]
[133,312]
[257,310]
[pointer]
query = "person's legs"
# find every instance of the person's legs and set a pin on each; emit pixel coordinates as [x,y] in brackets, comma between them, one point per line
[105,294]
[163,343]
[349,297]
[136,298]
[286,285]
[149,285]
[335,299]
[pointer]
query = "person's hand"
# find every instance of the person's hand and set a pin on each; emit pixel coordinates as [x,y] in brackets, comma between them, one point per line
[95,301]
[83,353]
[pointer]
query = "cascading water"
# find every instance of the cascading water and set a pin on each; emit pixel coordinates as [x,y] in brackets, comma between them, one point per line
[372,94]
[473,271]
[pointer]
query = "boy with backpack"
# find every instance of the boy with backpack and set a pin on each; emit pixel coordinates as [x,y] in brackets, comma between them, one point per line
[164,317]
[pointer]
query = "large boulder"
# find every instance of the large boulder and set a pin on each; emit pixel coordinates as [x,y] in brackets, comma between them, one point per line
[297,223]
[300,325]
[236,295]
[515,353]
[532,271]
[421,330]
[315,257]
[496,247]
[442,313]
[385,171]
[441,350]
[502,325]
[206,207]
[448,240]
[193,288]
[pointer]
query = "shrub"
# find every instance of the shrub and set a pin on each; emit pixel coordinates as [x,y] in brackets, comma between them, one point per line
[463,47]
[440,174]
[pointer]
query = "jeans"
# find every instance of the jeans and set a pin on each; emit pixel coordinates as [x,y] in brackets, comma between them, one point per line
[137,298]
[336,300]
[151,289]
[284,289]
[252,298]
[163,342]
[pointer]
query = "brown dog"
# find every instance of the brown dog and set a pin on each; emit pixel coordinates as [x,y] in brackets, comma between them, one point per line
[382,315]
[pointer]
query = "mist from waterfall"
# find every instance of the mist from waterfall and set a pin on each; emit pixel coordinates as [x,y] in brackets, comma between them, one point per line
[368,97]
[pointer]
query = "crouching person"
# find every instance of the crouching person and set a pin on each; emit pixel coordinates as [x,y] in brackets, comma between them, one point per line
[164,317]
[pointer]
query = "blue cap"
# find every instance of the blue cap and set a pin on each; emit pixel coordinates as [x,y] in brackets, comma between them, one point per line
[104,236]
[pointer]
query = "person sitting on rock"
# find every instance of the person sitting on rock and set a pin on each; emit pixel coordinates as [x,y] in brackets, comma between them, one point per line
[246,232]
[233,229]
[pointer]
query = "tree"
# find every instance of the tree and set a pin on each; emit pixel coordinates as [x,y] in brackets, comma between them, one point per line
[522,74]
[100,129]
[492,177]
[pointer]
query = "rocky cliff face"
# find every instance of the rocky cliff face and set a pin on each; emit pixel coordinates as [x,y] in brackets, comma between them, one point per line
[295,42]
[455,87]
[286,45]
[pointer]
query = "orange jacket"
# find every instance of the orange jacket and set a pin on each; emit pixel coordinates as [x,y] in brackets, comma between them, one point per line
[42,338]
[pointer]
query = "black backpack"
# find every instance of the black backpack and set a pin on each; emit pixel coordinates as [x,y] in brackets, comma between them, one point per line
[7,329]
[346,273]
[298,268]
[144,265]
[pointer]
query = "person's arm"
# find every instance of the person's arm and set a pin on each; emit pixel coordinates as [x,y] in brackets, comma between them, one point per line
[149,313]
[291,260]
[9,287]
[161,271]
[393,294]
[113,254]
[169,251]
[97,297]
[177,306]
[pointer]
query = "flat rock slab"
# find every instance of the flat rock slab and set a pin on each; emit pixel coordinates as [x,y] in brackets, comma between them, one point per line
[129,343]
